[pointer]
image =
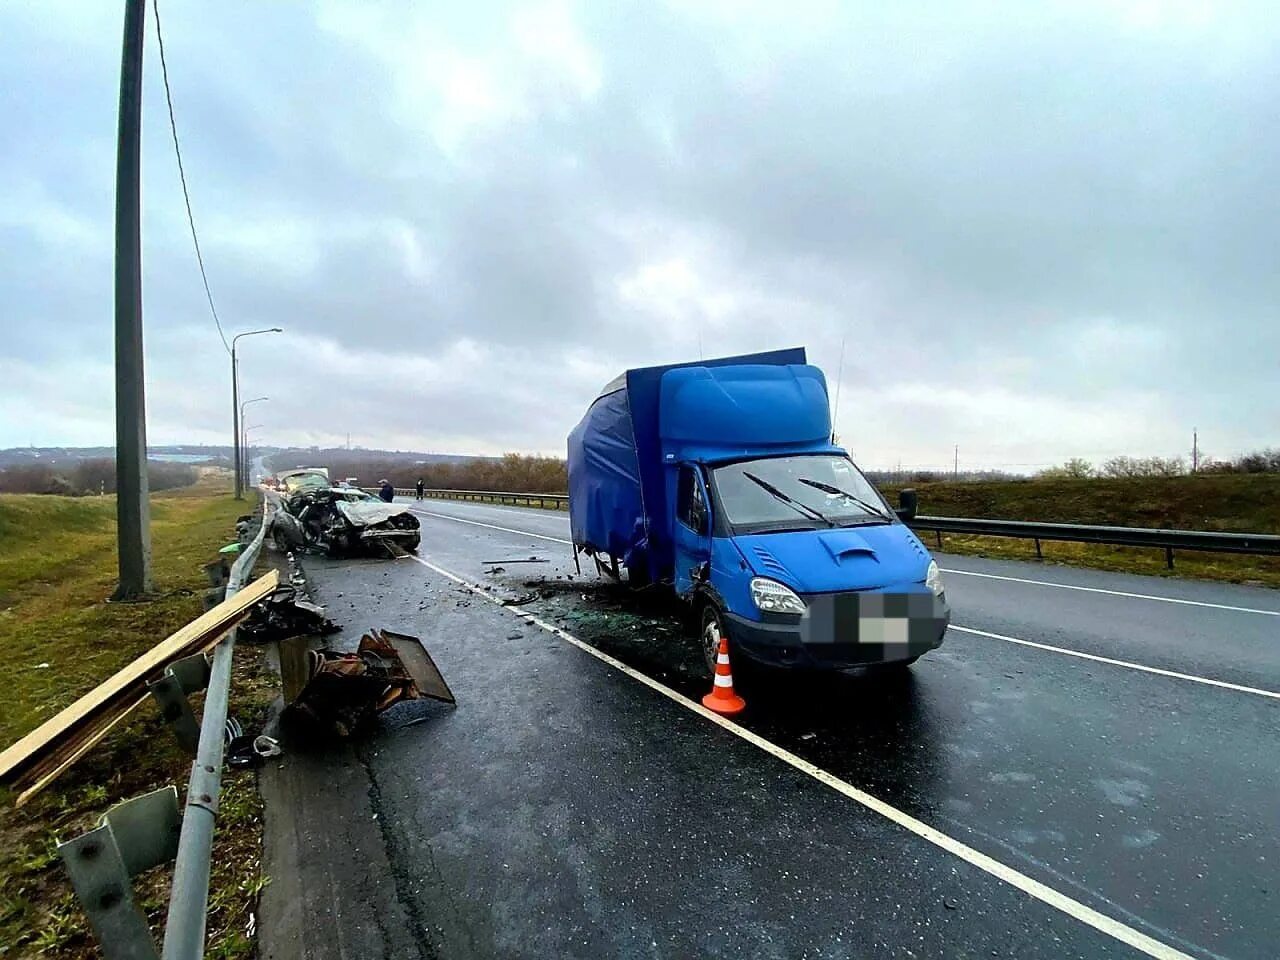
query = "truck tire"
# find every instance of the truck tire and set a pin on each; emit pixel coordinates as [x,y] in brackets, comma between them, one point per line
[412,545]
[710,629]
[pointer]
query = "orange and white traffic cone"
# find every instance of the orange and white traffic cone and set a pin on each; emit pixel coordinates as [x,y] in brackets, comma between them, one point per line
[722,699]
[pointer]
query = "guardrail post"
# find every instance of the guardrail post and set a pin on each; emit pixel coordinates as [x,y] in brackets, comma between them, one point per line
[131,837]
[170,692]
[1168,557]
[1039,555]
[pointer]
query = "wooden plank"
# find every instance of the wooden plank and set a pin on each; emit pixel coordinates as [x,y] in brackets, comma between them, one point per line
[80,750]
[205,628]
[61,755]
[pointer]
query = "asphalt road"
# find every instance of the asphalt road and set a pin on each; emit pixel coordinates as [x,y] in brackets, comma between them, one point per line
[1088,767]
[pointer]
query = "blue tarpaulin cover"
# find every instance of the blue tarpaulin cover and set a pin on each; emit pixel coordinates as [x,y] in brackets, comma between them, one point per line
[616,469]
[606,507]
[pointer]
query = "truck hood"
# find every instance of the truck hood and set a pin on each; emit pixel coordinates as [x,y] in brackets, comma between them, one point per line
[844,558]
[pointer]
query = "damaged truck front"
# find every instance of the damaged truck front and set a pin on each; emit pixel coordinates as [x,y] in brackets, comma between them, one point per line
[338,520]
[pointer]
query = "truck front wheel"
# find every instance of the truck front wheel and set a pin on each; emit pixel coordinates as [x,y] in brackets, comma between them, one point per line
[711,629]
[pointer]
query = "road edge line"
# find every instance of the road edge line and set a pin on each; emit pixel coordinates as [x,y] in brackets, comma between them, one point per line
[1019,881]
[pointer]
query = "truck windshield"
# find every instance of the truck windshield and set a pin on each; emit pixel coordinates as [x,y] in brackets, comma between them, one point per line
[746,504]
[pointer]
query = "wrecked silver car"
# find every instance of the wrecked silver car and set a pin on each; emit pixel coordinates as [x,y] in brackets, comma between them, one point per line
[338,520]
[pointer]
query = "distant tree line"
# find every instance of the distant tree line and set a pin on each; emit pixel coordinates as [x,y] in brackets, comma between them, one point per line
[87,477]
[897,477]
[514,472]
[1123,468]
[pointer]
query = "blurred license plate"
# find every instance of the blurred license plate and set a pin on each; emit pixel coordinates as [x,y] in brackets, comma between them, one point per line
[883,619]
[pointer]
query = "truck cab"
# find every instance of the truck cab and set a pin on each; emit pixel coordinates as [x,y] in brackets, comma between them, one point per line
[753,515]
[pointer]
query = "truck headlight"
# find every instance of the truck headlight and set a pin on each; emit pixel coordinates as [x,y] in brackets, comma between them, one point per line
[933,579]
[774,597]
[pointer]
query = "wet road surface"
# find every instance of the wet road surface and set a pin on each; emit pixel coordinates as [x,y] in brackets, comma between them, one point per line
[565,809]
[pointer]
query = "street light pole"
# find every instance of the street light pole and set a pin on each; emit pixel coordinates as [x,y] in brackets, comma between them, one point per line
[244,445]
[244,454]
[133,510]
[235,408]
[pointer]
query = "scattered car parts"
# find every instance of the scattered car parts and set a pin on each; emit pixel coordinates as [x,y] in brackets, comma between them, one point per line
[341,693]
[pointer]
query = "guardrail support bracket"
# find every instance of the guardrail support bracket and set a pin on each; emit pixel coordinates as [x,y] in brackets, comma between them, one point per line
[131,837]
[170,693]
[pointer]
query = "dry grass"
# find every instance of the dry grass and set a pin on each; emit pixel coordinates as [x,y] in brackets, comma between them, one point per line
[61,639]
[1243,503]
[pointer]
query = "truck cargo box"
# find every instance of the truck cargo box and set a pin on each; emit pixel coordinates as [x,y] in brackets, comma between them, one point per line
[617,483]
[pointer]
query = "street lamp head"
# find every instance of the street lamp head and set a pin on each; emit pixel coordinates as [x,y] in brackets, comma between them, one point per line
[277,329]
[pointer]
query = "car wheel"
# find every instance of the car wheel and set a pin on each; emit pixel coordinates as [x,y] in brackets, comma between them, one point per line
[412,545]
[280,540]
[710,630]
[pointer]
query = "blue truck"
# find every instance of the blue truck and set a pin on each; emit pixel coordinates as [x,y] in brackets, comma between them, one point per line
[720,478]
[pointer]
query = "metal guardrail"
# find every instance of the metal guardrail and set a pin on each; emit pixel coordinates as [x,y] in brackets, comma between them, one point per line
[184,929]
[552,501]
[138,834]
[1259,544]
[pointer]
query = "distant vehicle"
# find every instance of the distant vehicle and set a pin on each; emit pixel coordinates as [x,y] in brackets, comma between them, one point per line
[720,478]
[302,476]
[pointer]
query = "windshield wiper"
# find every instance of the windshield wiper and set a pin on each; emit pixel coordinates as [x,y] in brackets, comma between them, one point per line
[836,491]
[773,491]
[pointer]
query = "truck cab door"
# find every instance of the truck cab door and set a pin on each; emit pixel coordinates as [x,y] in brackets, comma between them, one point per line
[692,529]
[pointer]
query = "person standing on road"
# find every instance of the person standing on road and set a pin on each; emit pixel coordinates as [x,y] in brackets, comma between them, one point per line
[421,486]
[386,491]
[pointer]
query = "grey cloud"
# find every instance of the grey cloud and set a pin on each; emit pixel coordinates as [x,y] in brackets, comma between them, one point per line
[1045,211]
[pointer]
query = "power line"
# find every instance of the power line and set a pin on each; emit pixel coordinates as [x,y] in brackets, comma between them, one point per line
[182,175]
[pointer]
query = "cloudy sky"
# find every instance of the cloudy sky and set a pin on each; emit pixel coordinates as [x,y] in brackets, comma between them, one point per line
[1042,230]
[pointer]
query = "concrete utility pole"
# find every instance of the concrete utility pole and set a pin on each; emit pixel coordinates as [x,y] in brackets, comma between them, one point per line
[133,509]
[235,419]
[1195,450]
[955,469]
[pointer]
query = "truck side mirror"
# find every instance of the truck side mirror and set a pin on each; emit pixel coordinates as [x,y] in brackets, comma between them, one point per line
[907,501]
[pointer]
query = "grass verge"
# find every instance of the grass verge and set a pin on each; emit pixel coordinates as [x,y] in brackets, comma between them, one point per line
[60,639]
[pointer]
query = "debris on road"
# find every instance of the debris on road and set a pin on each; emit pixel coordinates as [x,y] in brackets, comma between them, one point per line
[520,601]
[285,614]
[341,692]
[523,560]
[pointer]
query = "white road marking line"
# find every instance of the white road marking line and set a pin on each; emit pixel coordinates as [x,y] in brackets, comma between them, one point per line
[1120,663]
[1114,593]
[1033,888]
[491,526]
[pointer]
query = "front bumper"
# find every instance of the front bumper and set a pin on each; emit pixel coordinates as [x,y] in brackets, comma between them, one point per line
[388,533]
[840,631]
